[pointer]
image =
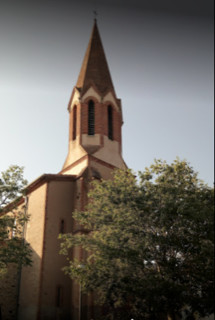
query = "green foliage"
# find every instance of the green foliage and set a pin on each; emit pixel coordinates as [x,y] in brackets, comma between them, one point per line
[12,246]
[150,248]
[12,184]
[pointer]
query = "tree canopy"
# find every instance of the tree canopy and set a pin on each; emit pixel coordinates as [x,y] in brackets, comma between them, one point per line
[150,243]
[12,247]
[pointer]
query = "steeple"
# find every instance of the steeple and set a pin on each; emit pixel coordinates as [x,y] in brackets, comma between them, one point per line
[94,70]
[95,115]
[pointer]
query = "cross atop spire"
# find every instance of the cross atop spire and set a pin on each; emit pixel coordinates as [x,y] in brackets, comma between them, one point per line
[95,15]
[94,70]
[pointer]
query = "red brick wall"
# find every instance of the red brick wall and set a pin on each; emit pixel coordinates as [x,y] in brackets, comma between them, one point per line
[101,120]
[84,118]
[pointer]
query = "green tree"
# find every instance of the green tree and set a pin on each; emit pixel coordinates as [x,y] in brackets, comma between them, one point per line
[12,247]
[150,248]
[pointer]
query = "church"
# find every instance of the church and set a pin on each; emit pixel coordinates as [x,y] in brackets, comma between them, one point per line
[42,291]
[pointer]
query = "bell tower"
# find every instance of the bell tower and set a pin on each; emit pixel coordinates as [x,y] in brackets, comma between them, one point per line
[95,115]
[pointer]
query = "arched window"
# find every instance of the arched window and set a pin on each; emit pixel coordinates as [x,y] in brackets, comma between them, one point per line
[110,122]
[91,118]
[74,123]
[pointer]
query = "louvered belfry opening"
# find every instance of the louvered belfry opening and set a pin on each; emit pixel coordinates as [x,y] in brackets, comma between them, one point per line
[91,118]
[110,123]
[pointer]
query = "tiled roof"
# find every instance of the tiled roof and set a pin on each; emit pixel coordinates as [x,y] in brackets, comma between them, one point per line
[94,70]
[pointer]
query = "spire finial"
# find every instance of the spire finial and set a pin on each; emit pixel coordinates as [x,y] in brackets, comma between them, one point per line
[95,15]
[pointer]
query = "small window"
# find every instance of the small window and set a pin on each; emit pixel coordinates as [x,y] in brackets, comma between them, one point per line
[59,296]
[110,123]
[74,123]
[91,118]
[62,226]
[14,228]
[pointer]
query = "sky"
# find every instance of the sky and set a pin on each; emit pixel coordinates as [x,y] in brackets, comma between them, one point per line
[160,55]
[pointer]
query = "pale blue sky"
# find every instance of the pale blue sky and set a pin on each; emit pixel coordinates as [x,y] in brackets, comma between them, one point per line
[161,62]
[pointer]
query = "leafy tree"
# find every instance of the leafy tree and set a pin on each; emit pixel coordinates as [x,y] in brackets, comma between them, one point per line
[150,248]
[12,247]
[12,184]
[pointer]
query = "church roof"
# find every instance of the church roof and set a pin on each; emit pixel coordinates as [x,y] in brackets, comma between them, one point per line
[94,70]
[46,177]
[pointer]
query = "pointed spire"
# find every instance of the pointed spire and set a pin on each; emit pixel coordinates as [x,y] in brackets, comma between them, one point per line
[94,68]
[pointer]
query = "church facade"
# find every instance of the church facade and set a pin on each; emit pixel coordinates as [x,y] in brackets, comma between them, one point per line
[42,291]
